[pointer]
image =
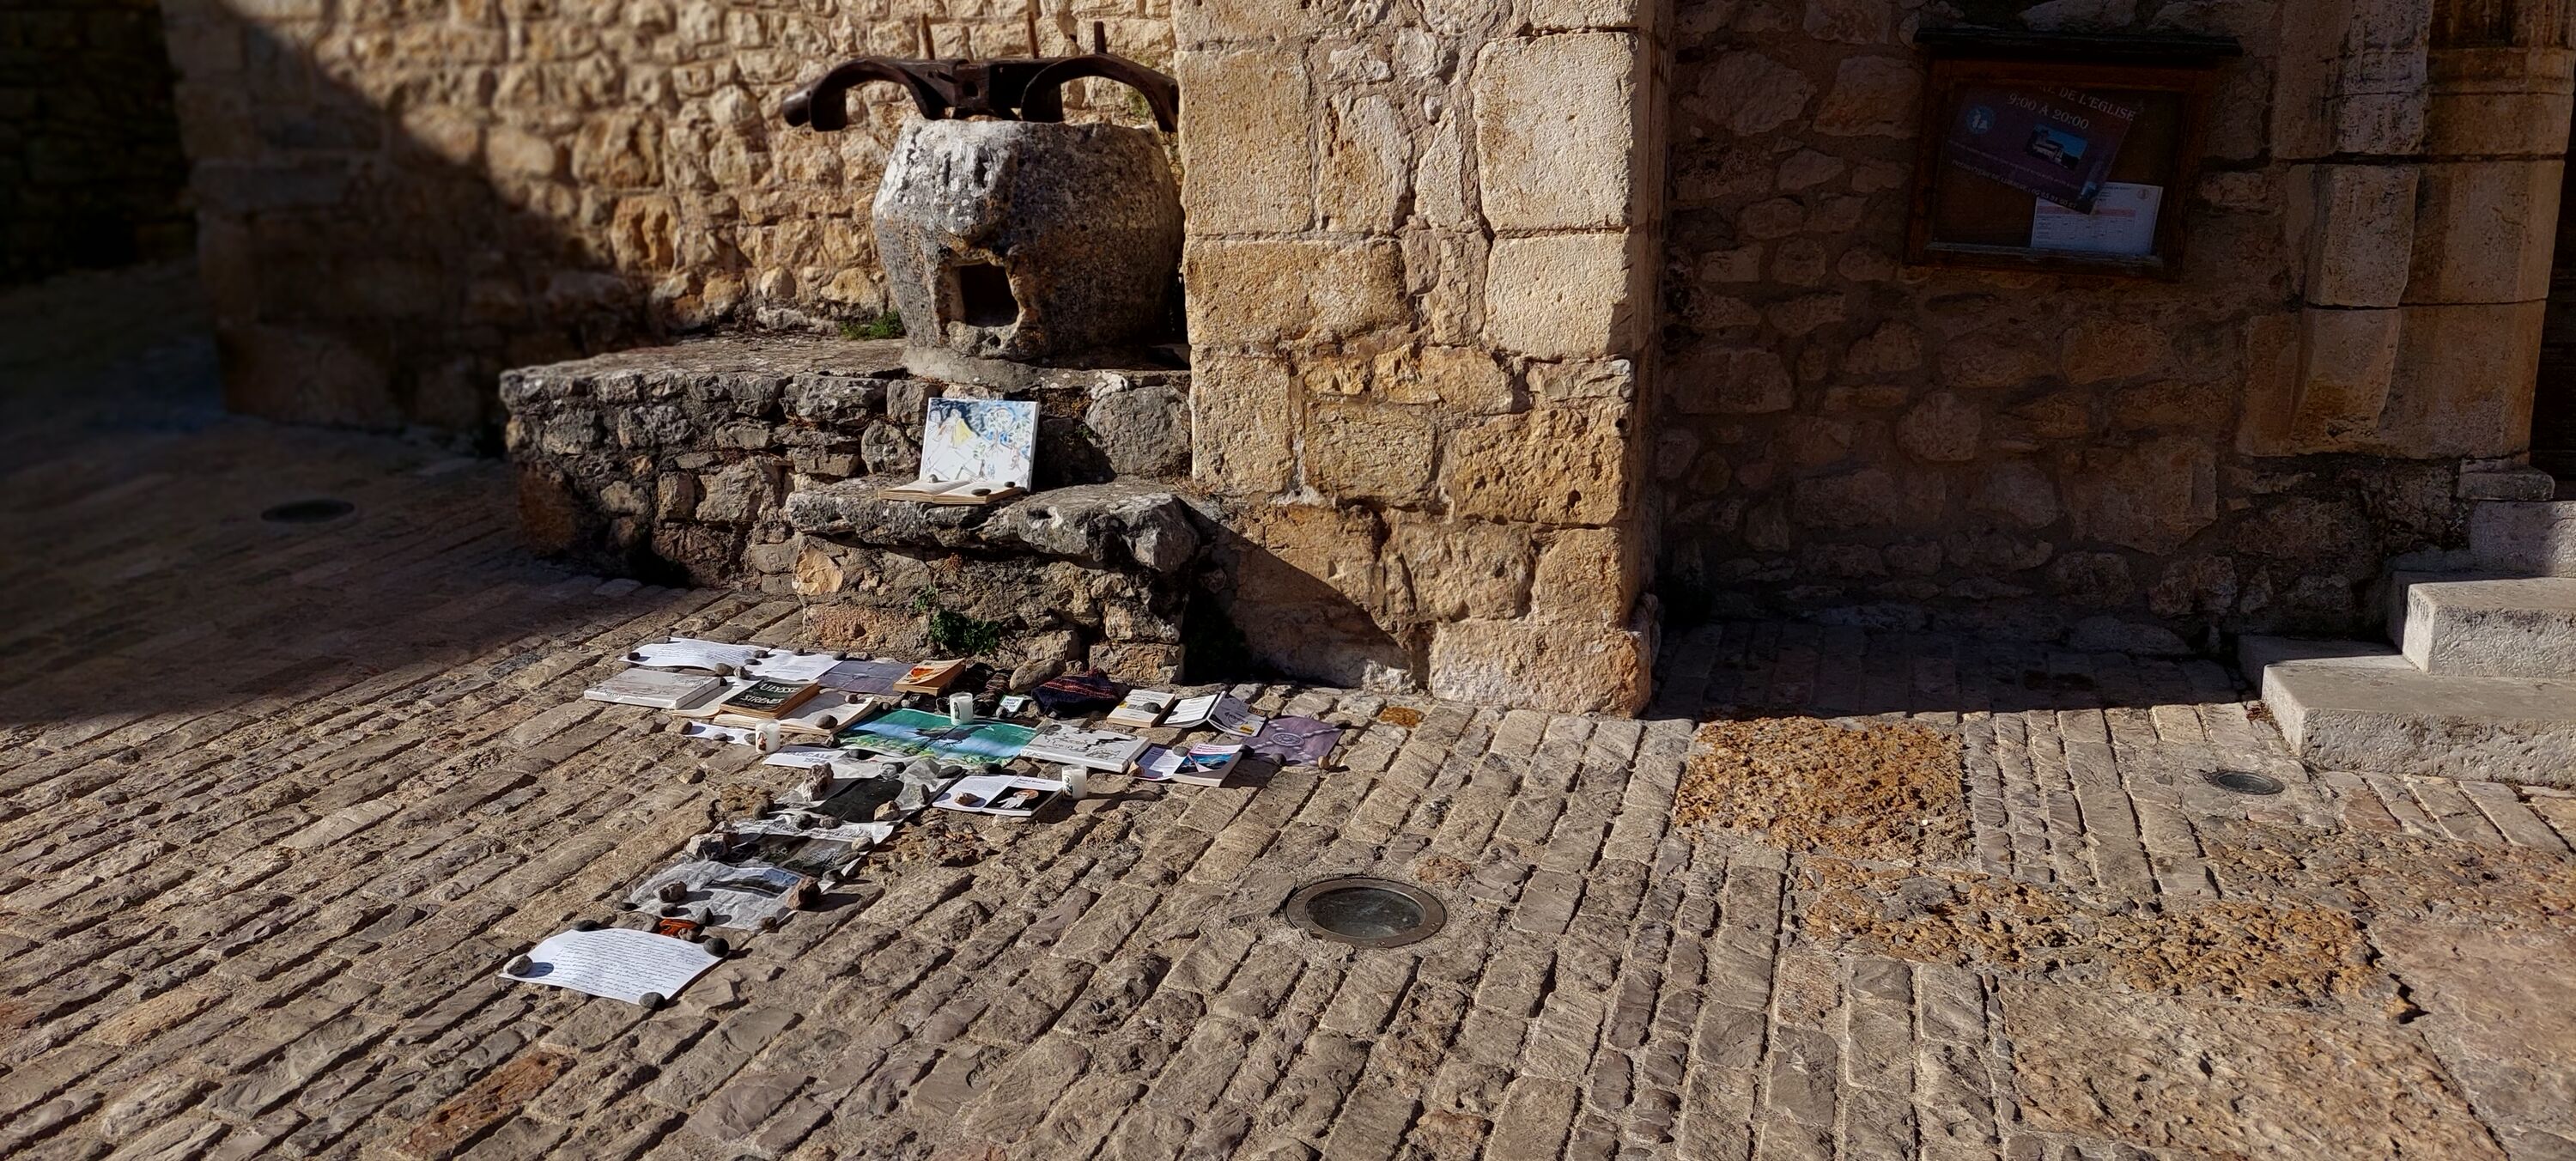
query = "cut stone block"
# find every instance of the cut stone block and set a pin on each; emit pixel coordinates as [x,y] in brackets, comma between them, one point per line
[2487,627]
[2348,705]
[2525,539]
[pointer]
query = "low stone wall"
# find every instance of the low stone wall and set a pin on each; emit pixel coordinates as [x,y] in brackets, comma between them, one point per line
[90,169]
[752,463]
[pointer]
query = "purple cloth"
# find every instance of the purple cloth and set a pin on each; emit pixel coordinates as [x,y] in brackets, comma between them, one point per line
[1296,741]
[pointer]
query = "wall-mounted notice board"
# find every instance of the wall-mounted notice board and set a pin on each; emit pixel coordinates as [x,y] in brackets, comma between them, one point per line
[2072,153]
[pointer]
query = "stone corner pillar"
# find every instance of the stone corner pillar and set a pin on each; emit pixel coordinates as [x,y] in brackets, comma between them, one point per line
[1420,303]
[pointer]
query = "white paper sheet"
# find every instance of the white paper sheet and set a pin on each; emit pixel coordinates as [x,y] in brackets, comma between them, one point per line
[789,666]
[804,757]
[2123,221]
[617,963]
[735,734]
[691,653]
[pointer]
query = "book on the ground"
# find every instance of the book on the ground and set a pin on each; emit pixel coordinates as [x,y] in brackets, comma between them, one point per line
[1073,745]
[1222,712]
[1296,741]
[820,716]
[1143,707]
[876,677]
[658,689]
[930,676]
[909,733]
[1203,764]
[769,700]
[1004,794]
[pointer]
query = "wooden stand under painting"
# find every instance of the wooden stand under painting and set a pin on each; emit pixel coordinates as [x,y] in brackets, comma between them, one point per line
[974,451]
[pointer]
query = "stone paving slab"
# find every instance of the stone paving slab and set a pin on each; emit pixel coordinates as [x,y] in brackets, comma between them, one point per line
[275,802]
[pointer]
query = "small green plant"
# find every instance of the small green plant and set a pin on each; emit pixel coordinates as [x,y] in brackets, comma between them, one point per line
[885,326]
[956,634]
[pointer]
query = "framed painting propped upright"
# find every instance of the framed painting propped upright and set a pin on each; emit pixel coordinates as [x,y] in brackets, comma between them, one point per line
[2060,153]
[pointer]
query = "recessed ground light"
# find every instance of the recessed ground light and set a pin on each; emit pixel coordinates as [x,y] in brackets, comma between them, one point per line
[2243,782]
[1366,912]
[308,511]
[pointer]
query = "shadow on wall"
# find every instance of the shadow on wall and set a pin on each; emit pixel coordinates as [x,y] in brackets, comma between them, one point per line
[360,275]
[400,201]
[91,174]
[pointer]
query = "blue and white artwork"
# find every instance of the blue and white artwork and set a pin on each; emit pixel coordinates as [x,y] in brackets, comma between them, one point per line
[979,439]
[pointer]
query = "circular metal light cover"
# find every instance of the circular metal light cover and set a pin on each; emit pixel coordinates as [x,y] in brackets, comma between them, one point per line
[308,511]
[2243,782]
[1366,912]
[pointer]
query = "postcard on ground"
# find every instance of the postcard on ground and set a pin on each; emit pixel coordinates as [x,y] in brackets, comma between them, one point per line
[617,963]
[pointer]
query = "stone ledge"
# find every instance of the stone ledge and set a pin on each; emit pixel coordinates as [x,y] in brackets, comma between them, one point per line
[1107,525]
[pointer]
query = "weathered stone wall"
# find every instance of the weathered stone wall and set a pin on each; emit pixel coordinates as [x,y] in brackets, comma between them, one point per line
[1421,262]
[2046,454]
[397,201]
[90,169]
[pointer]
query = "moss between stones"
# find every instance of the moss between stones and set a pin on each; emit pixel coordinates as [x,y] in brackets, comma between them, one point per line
[1890,792]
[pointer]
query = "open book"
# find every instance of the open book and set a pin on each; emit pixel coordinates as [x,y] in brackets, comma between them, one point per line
[973,451]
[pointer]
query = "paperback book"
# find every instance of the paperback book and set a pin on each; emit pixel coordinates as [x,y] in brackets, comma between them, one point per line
[1073,745]
[1222,712]
[930,676]
[768,700]
[1143,707]
[655,688]
[1007,795]
[1204,764]
[911,733]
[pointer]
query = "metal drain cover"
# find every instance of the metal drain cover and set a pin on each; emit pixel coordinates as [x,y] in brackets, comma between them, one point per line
[308,511]
[1365,912]
[2243,782]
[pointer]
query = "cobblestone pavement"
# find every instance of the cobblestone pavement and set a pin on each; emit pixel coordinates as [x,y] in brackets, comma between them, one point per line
[277,800]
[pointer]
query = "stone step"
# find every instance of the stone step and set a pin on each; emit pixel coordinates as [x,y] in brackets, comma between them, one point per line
[2524,538]
[2479,626]
[2351,705]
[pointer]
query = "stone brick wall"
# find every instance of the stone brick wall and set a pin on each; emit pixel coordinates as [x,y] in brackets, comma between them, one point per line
[1420,271]
[90,169]
[2042,454]
[398,201]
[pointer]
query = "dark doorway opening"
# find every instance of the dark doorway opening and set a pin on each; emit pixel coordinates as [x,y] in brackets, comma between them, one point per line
[984,297]
[2553,403]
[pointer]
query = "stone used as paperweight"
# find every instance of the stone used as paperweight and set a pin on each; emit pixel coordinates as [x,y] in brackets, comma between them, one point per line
[1027,241]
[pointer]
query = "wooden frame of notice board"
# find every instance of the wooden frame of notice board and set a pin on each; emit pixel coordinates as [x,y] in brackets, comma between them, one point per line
[2005,111]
